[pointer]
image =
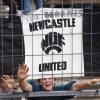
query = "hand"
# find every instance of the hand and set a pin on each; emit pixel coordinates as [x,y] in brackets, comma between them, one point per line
[95,80]
[8,82]
[22,72]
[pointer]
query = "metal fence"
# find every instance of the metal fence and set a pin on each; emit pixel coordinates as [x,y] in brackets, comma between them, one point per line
[13,47]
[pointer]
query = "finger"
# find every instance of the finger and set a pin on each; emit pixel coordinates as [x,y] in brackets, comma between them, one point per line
[4,76]
[11,77]
[27,69]
[24,67]
[3,80]
[7,77]
[19,68]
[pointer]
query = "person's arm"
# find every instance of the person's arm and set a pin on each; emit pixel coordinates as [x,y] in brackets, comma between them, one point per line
[84,84]
[22,75]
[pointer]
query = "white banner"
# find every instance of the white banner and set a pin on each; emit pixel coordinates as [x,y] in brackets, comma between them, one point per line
[53,42]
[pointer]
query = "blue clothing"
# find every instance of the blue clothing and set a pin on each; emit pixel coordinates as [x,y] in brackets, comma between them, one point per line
[37,88]
[39,3]
[26,6]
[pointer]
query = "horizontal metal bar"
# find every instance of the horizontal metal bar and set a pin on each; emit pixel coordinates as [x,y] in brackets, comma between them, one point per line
[52,93]
[71,1]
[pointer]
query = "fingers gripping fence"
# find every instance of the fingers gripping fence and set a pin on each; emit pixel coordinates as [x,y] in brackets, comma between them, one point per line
[57,39]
